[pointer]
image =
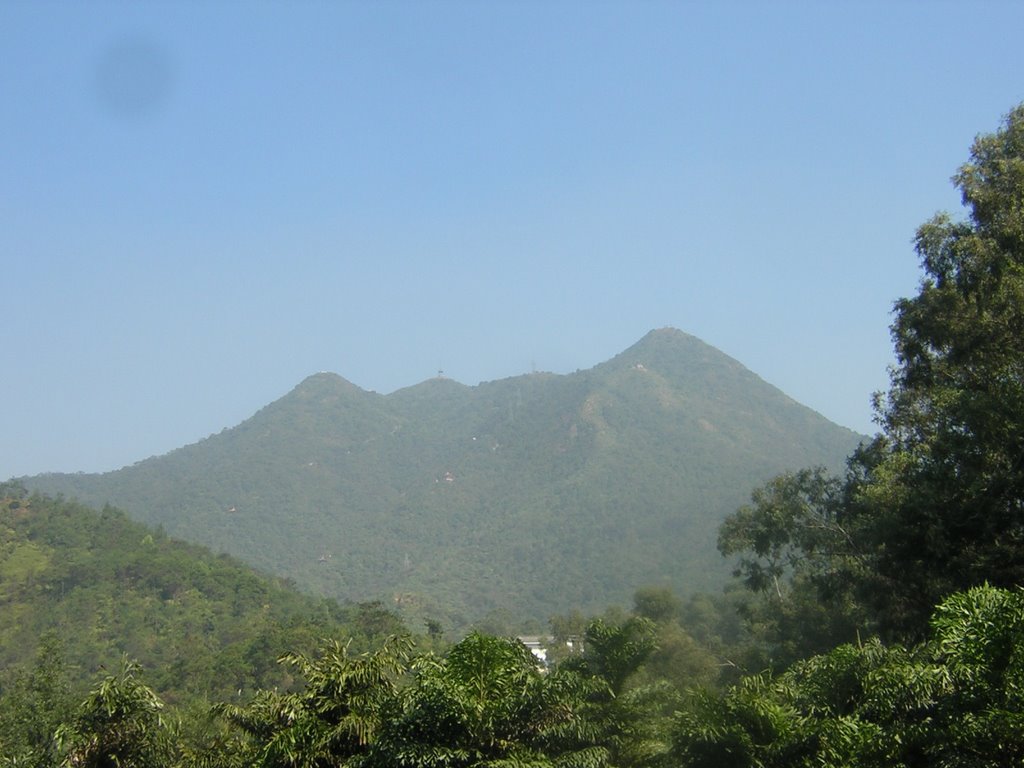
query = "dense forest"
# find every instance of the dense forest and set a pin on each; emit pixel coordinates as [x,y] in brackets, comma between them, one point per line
[505,502]
[877,617]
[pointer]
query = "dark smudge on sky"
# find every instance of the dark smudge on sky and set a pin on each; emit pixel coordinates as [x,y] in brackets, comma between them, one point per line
[133,78]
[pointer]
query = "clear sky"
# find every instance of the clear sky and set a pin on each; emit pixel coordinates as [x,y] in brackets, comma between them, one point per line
[203,203]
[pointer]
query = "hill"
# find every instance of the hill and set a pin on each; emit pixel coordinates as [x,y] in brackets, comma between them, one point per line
[101,585]
[513,499]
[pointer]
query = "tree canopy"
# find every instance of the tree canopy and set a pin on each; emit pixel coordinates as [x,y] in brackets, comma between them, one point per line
[948,492]
[936,503]
[954,700]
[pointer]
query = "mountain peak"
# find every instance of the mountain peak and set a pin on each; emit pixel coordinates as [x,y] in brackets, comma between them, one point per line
[670,349]
[665,336]
[325,377]
[325,383]
[454,499]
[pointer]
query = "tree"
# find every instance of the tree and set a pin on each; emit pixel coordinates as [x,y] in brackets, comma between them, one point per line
[947,498]
[979,641]
[33,705]
[613,651]
[333,720]
[935,503]
[487,703]
[118,724]
[954,700]
[630,710]
[799,554]
[659,604]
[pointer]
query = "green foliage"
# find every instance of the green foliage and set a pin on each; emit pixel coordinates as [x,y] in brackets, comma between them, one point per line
[487,703]
[484,506]
[934,504]
[33,703]
[205,625]
[615,651]
[119,724]
[332,720]
[790,523]
[630,706]
[798,553]
[979,638]
[679,660]
[659,604]
[952,701]
[948,493]
[956,700]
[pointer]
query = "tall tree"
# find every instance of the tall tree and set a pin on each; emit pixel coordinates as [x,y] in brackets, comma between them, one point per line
[489,704]
[953,701]
[947,497]
[119,724]
[333,720]
[936,503]
[33,704]
[796,545]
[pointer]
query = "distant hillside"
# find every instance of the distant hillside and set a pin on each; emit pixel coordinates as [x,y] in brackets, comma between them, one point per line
[512,499]
[202,625]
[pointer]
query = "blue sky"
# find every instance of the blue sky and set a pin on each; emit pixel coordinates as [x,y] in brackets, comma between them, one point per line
[203,203]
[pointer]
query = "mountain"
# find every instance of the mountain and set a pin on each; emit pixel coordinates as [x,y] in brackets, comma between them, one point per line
[513,499]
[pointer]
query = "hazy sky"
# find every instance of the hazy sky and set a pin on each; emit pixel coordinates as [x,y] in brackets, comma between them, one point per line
[203,203]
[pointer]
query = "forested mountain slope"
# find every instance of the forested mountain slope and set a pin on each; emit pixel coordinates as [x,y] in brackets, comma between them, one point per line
[522,497]
[98,585]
